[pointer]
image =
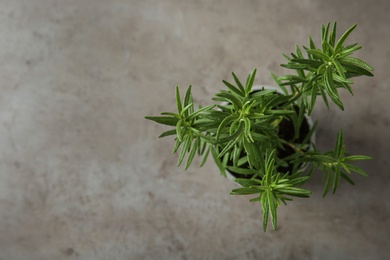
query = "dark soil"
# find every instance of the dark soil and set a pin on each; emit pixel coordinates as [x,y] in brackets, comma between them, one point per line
[286,131]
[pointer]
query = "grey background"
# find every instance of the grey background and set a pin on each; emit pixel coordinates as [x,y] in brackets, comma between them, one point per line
[83,174]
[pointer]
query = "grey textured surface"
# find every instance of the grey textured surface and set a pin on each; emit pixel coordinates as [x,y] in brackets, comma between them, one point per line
[83,175]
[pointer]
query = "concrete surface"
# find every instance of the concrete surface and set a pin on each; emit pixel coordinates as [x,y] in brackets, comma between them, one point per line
[84,176]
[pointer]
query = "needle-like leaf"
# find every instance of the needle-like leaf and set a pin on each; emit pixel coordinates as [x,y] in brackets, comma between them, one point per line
[339,144]
[332,38]
[272,208]
[188,101]
[167,133]
[191,153]
[239,85]
[356,62]
[186,145]
[233,88]
[249,84]
[319,54]
[178,101]
[344,37]
[179,131]
[265,210]
[165,120]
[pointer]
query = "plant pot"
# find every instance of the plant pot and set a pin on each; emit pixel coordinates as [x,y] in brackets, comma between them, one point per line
[286,128]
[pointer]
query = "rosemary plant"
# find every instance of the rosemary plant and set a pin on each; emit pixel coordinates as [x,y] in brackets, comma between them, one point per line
[242,131]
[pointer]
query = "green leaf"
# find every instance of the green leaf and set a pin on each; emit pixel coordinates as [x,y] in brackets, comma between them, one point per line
[356,169]
[325,32]
[339,144]
[202,145]
[225,122]
[218,162]
[328,49]
[269,166]
[299,181]
[349,180]
[244,191]
[265,209]
[339,79]
[311,43]
[188,101]
[238,83]
[327,184]
[336,179]
[313,93]
[238,170]
[357,158]
[295,66]
[252,150]
[233,88]
[205,156]
[347,87]
[313,63]
[248,182]
[179,130]
[272,208]
[332,38]
[226,158]
[200,111]
[286,57]
[330,88]
[339,68]
[184,111]
[186,145]
[343,38]
[170,114]
[257,199]
[236,154]
[292,79]
[321,69]
[229,97]
[177,145]
[178,101]
[297,192]
[348,50]
[319,54]
[231,143]
[259,137]
[165,120]
[294,55]
[279,112]
[324,158]
[353,71]
[356,62]
[249,84]
[191,154]
[344,166]
[167,133]
[258,96]
[247,129]
[324,97]
[298,51]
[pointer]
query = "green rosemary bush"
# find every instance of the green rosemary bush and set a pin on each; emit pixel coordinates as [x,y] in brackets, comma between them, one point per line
[242,130]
